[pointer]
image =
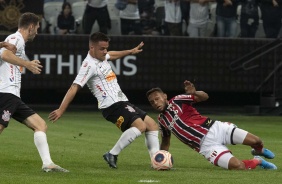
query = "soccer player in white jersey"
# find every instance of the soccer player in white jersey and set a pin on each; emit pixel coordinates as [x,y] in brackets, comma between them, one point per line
[97,73]
[11,105]
[207,137]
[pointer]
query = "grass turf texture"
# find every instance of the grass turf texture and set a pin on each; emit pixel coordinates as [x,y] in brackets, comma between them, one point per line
[78,141]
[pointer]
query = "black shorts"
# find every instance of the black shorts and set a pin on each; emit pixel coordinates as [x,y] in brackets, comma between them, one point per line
[13,106]
[123,114]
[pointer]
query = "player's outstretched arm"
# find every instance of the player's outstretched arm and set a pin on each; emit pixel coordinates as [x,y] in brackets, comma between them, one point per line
[165,143]
[8,46]
[199,96]
[56,114]
[119,54]
[33,66]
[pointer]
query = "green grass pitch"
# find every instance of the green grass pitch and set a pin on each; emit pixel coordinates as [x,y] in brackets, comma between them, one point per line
[79,139]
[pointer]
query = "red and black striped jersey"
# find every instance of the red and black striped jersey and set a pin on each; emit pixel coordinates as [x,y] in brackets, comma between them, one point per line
[184,121]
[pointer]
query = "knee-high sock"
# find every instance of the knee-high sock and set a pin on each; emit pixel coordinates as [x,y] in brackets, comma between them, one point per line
[125,139]
[40,141]
[152,142]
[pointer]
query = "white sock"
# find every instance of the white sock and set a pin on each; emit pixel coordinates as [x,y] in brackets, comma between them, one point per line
[125,139]
[152,142]
[40,141]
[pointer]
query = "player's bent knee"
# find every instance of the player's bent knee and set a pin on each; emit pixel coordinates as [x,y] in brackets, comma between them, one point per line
[138,123]
[36,123]
[42,126]
[151,125]
[252,140]
[142,128]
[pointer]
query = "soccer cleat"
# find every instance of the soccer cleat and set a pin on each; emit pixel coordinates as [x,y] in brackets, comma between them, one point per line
[111,159]
[264,164]
[53,168]
[265,152]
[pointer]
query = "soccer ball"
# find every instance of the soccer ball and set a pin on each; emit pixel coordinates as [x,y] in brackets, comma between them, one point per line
[162,160]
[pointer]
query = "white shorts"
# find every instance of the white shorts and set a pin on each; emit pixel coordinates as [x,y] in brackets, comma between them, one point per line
[213,146]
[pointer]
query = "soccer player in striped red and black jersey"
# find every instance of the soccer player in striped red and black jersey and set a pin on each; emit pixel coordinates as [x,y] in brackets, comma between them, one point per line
[206,136]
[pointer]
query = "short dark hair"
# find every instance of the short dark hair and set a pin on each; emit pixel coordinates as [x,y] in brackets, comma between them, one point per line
[27,19]
[157,89]
[98,36]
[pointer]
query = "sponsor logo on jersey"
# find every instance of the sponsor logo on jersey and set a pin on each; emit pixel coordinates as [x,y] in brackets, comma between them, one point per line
[130,109]
[111,76]
[6,115]
[120,94]
[86,73]
[119,122]
[104,94]
[12,77]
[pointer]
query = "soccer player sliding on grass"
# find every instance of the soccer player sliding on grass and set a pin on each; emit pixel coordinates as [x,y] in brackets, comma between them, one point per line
[206,136]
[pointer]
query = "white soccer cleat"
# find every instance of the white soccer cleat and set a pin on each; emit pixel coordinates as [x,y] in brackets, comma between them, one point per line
[53,168]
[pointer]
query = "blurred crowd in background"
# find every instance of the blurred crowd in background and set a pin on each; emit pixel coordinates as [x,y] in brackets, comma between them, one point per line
[191,18]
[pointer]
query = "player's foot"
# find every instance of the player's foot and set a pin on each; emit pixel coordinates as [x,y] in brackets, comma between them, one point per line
[53,168]
[265,152]
[111,159]
[264,164]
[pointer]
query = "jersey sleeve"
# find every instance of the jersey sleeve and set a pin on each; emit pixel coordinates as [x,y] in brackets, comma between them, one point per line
[86,71]
[18,42]
[185,97]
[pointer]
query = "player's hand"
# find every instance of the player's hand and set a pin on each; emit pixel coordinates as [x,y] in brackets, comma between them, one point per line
[34,66]
[137,49]
[54,115]
[10,47]
[189,87]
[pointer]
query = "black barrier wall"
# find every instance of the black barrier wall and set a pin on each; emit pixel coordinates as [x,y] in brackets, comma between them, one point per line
[165,62]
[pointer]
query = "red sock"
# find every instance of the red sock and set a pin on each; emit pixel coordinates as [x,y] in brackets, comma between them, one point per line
[251,164]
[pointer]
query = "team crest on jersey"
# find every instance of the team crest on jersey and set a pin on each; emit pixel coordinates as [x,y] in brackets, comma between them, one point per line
[85,65]
[6,116]
[130,109]
[119,122]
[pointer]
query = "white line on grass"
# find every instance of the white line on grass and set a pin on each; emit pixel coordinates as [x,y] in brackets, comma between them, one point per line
[148,181]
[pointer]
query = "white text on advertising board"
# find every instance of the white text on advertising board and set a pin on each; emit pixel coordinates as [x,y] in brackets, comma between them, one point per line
[124,66]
